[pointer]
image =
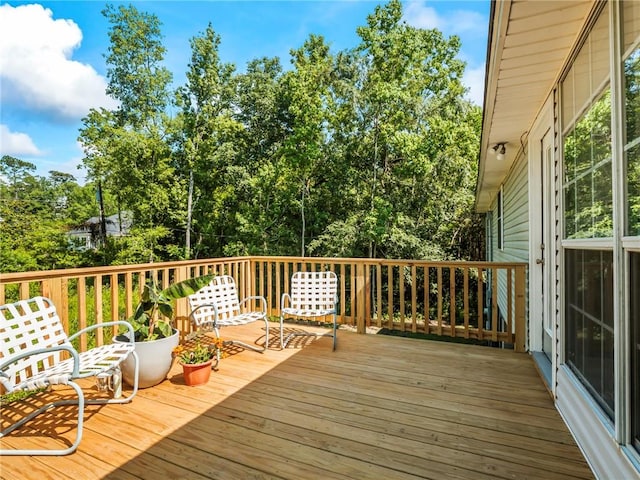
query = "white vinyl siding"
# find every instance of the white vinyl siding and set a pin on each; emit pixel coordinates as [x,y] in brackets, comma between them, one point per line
[516,224]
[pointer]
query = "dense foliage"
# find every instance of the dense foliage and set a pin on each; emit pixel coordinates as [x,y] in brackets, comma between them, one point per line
[367,152]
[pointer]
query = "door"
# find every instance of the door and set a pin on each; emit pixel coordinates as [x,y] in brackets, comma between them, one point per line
[542,241]
[544,260]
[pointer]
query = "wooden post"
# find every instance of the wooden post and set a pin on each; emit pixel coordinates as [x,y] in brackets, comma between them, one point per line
[181,313]
[520,341]
[452,300]
[465,297]
[360,296]
[414,302]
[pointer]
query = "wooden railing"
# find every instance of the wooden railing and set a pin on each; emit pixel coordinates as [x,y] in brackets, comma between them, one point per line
[476,300]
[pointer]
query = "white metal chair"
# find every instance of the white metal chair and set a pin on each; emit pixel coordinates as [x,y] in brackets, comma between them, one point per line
[313,294]
[32,340]
[217,305]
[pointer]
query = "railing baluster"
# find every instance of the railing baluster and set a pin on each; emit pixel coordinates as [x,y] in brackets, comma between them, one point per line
[509,301]
[401,285]
[97,297]
[82,311]
[279,265]
[128,294]
[481,277]
[343,287]
[439,270]
[390,295]
[378,271]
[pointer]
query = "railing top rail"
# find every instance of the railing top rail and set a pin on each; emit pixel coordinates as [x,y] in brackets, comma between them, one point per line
[388,261]
[106,270]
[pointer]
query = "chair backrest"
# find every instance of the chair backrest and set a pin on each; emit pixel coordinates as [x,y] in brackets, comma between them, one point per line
[25,326]
[314,290]
[222,293]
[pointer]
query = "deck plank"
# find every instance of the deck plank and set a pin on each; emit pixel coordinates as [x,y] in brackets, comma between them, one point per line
[377,407]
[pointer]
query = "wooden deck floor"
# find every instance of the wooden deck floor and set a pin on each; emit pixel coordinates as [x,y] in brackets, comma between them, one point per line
[378,407]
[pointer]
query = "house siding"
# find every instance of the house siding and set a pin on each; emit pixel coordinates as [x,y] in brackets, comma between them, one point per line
[516,226]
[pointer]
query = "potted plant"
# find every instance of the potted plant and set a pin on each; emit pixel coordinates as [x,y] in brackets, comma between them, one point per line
[197,361]
[155,335]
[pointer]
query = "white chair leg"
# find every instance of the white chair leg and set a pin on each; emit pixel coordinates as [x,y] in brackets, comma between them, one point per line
[335,332]
[54,452]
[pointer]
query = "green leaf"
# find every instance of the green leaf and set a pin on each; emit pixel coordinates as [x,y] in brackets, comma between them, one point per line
[186,287]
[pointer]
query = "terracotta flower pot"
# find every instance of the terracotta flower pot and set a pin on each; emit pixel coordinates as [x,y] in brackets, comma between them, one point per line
[196,373]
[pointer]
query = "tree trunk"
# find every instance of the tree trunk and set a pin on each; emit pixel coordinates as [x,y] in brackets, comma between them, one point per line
[187,247]
[304,187]
[103,221]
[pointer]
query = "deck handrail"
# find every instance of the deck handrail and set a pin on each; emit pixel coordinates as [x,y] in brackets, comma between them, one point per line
[472,300]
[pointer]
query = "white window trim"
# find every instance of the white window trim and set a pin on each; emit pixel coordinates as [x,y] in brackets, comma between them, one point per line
[631,243]
[588,243]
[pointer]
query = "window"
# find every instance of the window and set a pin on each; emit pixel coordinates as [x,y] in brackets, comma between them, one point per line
[634,314]
[500,220]
[587,173]
[587,187]
[586,116]
[589,320]
[631,142]
[632,139]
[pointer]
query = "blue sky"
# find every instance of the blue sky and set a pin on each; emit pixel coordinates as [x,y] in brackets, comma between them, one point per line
[52,68]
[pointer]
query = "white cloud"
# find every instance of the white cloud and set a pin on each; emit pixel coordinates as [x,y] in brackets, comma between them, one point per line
[474,80]
[16,143]
[418,14]
[470,26]
[36,66]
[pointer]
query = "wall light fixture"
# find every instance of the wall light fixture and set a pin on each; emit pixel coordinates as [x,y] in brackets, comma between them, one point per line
[499,149]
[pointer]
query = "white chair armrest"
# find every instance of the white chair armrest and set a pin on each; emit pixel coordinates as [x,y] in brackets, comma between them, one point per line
[104,325]
[205,305]
[263,302]
[69,348]
[283,299]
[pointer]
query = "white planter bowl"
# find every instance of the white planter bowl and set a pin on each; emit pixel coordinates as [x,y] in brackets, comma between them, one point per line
[154,357]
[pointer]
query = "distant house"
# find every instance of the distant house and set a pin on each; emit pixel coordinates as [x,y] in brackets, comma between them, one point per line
[559,182]
[87,235]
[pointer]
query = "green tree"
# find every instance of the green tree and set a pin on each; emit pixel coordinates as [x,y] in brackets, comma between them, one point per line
[305,150]
[262,200]
[409,142]
[16,171]
[206,138]
[126,150]
[34,220]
